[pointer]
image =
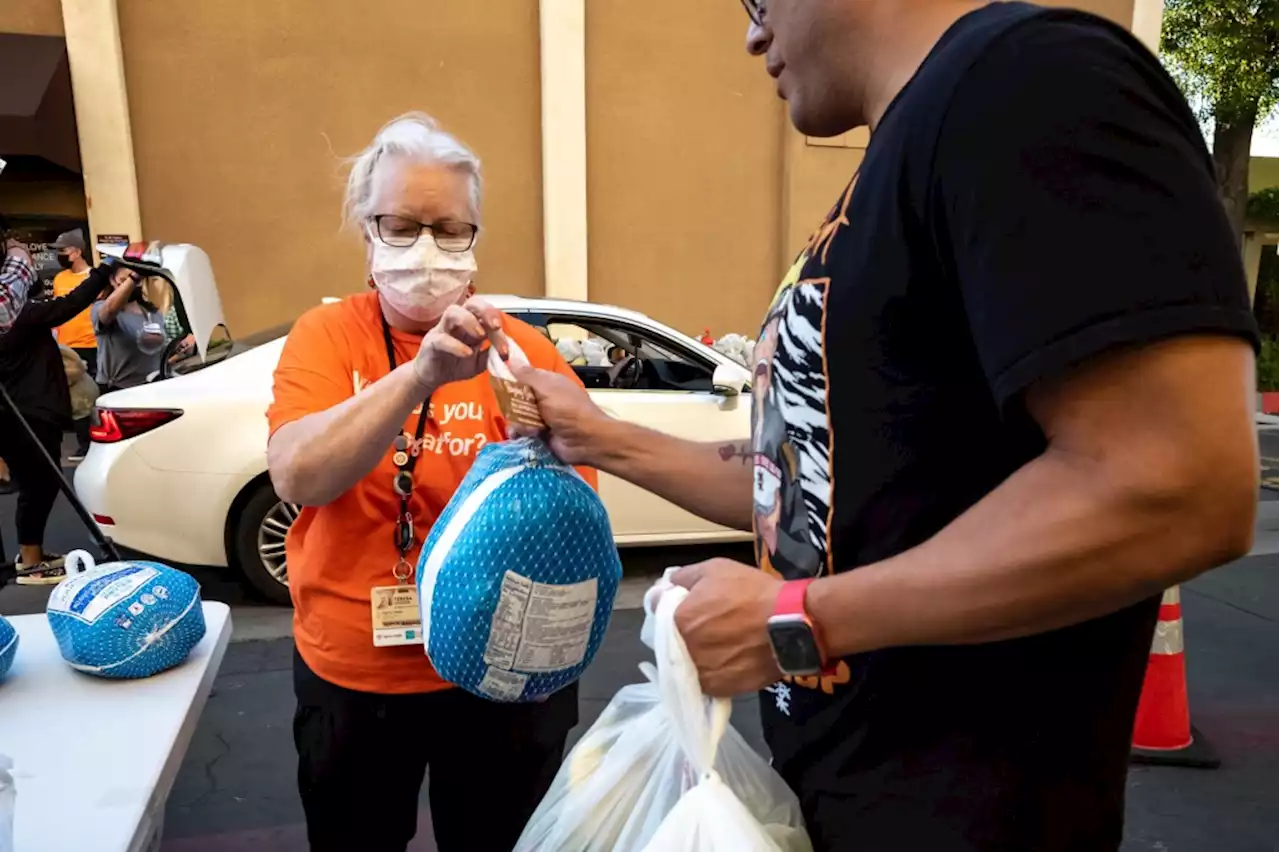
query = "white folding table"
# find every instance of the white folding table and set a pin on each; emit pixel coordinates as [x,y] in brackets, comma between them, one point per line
[94,759]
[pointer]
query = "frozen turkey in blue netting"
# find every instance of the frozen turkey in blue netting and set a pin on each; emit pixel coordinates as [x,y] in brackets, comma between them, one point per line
[8,645]
[125,619]
[517,579]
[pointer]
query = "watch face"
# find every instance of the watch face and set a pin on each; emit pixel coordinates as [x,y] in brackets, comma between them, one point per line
[794,647]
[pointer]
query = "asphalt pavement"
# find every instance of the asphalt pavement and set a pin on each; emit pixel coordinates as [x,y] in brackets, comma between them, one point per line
[236,787]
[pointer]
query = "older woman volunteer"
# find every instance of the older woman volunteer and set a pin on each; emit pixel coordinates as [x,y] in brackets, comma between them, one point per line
[369,389]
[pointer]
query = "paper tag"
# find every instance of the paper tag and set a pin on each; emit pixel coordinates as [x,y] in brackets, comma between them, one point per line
[396,617]
[541,627]
[88,596]
[502,685]
[517,401]
[557,625]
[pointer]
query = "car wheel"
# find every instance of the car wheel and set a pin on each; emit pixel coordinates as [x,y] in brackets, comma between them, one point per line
[259,543]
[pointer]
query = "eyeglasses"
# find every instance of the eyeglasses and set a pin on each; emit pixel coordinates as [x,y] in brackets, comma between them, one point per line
[401,232]
[755,11]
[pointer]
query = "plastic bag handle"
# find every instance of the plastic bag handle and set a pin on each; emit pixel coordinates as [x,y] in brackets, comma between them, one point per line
[699,721]
[78,561]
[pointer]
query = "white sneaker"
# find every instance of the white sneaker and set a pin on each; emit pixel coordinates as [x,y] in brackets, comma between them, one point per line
[48,572]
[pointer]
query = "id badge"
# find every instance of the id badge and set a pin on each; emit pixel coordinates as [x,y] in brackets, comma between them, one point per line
[396,618]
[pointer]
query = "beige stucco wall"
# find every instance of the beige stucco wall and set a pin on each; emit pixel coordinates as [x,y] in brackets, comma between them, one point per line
[239,131]
[698,190]
[684,165]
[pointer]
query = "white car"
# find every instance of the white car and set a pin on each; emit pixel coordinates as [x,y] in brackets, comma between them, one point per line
[178,468]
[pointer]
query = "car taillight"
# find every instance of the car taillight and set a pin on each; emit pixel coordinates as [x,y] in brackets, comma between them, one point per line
[110,425]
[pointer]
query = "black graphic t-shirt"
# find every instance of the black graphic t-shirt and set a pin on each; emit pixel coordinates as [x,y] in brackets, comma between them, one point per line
[1038,194]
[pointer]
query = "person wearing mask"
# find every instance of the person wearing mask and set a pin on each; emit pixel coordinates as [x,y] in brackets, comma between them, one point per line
[17,276]
[77,332]
[381,403]
[130,333]
[32,372]
[1005,399]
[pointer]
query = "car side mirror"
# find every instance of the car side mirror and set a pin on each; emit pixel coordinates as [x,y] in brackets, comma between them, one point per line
[726,381]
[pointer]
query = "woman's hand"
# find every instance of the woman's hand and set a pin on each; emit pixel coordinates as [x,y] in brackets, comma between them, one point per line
[124,277]
[454,350]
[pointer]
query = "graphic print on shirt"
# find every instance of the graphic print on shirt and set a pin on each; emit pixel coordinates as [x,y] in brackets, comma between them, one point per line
[791,434]
[790,425]
[468,418]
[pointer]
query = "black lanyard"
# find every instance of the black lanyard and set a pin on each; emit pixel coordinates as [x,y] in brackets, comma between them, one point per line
[405,458]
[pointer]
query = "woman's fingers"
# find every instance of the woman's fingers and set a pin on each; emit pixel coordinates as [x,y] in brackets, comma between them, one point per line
[490,319]
[451,346]
[462,324]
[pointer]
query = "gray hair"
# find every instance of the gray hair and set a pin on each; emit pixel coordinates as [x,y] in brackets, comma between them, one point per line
[416,136]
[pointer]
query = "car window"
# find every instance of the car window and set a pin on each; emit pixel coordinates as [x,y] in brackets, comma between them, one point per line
[183,359]
[592,346]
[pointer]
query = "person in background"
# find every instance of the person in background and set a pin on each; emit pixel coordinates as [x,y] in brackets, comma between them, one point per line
[371,390]
[130,331]
[174,330]
[17,276]
[1007,402]
[77,332]
[32,372]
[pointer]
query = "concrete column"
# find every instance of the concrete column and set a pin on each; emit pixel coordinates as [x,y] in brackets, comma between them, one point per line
[102,116]
[564,147]
[1148,15]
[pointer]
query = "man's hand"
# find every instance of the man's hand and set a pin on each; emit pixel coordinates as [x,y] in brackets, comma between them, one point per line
[724,622]
[572,419]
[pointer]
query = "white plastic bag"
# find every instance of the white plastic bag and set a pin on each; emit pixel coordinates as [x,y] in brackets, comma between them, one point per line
[570,350]
[661,770]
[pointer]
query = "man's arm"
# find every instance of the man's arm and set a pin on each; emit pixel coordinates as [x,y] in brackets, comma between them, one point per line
[711,480]
[1150,478]
[51,313]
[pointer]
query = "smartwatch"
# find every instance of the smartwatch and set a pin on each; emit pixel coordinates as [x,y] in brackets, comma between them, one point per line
[797,646]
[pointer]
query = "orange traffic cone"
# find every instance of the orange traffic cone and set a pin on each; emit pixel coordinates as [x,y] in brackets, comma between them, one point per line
[1162,730]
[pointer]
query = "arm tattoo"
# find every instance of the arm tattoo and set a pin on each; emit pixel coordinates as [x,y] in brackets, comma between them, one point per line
[739,450]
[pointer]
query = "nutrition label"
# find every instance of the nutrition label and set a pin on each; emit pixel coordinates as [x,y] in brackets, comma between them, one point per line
[541,627]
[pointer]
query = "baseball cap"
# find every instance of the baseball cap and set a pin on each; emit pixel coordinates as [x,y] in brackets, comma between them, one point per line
[70,239]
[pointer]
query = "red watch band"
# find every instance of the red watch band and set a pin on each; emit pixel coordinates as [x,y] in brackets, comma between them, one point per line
[791,598]
[790,601]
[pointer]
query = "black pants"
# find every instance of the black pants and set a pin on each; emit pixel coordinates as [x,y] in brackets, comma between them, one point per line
[36,481]
[362,757]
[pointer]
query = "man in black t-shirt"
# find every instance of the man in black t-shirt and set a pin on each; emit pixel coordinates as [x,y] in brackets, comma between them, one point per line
[1005,399]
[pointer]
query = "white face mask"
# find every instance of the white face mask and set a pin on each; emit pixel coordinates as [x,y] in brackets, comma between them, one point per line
[418,279]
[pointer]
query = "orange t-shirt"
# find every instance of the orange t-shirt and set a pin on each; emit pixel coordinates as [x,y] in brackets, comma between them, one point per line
[77,332]
[337,553]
